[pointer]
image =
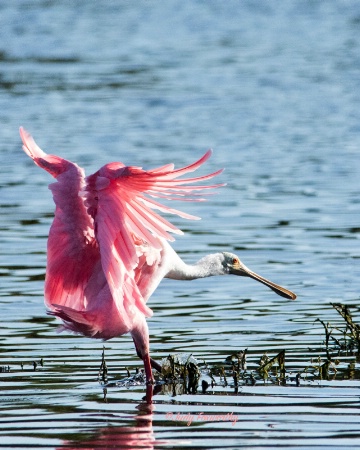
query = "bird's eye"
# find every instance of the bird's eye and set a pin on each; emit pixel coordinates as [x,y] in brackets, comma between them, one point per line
[235,261]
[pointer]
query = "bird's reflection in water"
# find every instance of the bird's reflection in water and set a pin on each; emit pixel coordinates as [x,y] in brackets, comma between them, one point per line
[140,435]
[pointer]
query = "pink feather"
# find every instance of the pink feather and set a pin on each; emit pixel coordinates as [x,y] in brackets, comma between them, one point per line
[106,242]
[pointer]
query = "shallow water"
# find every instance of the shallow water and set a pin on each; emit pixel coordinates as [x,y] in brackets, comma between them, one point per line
[274,90]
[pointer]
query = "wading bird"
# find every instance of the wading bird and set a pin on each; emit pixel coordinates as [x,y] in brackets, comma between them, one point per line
[108,249]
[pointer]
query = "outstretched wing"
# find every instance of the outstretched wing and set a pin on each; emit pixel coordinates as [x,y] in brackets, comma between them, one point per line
[72,249]
[93,246]
[121,201]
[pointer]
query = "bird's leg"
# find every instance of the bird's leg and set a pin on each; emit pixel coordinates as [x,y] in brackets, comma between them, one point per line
[155,365]
[140,335]
[149,393]
[148,371]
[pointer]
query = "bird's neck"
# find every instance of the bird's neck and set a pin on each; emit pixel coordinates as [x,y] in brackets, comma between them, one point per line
[205,267]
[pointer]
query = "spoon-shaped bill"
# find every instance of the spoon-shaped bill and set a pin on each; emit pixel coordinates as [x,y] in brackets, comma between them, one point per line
[275,287]
[242,270]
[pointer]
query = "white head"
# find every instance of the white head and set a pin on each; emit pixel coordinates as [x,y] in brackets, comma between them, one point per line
[228,263]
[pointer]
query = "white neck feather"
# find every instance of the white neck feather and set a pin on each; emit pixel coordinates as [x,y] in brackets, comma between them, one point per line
[208,266]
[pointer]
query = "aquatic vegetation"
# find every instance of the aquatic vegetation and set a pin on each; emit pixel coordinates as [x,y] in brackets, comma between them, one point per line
[103,370]
[266,364]
[184,374]
[335,356]
[341,341]
[351,332]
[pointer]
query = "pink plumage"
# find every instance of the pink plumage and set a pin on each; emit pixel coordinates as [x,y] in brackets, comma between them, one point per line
[107,247]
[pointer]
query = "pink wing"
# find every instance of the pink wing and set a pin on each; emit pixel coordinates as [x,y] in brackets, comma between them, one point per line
[123,213]
[93,248]
[72,249]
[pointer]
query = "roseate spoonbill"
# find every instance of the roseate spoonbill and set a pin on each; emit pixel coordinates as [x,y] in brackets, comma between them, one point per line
[108,249]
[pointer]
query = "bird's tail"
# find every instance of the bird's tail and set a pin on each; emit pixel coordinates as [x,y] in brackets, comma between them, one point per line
[79,322]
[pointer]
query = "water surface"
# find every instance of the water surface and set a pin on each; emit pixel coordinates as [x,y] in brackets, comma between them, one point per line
[274,90]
